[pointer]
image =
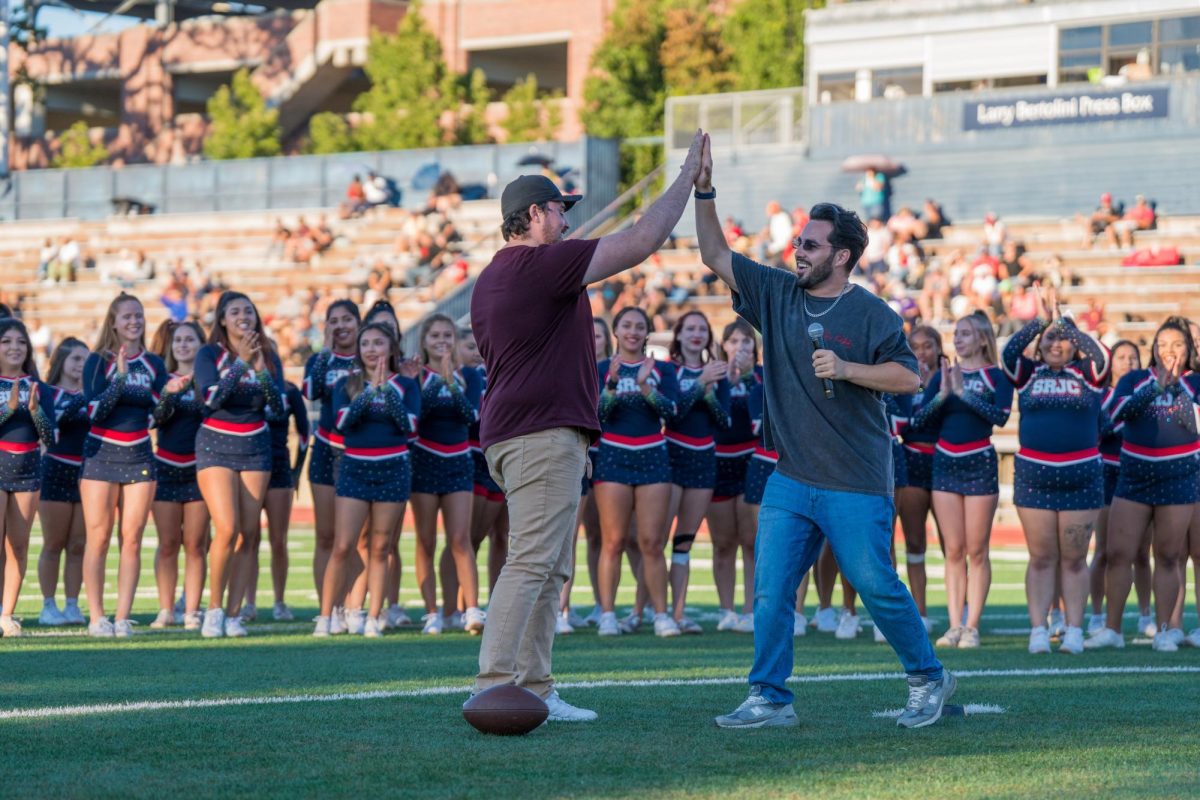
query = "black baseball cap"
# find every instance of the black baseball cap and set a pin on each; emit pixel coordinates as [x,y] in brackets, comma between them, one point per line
[529,189]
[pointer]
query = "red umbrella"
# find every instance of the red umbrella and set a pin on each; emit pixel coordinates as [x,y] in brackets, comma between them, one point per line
[875,161]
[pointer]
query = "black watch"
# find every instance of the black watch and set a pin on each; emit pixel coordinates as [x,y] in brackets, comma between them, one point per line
[711,194]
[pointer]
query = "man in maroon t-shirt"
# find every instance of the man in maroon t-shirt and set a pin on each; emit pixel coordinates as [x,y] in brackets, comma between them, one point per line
[533,322]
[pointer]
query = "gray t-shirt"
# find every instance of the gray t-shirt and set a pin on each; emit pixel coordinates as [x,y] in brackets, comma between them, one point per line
[841,443]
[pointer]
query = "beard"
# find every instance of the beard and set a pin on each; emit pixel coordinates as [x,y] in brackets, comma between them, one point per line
[817,273]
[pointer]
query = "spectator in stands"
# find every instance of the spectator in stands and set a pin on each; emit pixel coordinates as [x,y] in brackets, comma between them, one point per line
[1055,273]
[879,240]
[732,230]
[934,219]
[1139,217]
[322,234]
[446,194]
[356,200]
[995,232]
[1091,320]
[46,257]
[1099,222]
[906,226]
[873,194]
[41,340]
[279,239]
[66,263]
[379,282]
[1023,305]
[175,301]
[1015,265]
[375,190]
[776,237]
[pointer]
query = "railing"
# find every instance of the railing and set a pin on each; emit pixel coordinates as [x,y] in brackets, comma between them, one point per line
[607,220]
[771,117]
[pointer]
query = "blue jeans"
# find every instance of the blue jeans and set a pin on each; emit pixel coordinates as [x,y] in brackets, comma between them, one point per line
[793,521]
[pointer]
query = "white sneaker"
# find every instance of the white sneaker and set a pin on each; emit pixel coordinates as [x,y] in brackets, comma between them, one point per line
[433,623]
[799,624]
[1039,640]
[356,622]
[320,626]
[1147,626]
[50,615]
[879,637]
[281,613]
[969,639]
[1163,642]
[249,612]
[1176,636]
[593,619]
[631,622]
[1072,641]
[1193,638]
[234,627]
[474,620]
[608,624]
[745,624]
[165,618]
[562,711]
[214,624]
[826,620]
[123,628]
[103,628]
[848,626]
[192,621]
[454,621]
[1095,623]
[665,626]
[1105,637]
[372,629]
[10,627]
[951,637]
[729,619]
[689,627]
[396,617]
[574,620]
[72,613]
[1056,624]
[562,627]
[337,621]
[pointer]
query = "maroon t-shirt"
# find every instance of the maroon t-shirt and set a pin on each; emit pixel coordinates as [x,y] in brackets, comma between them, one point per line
[533,322]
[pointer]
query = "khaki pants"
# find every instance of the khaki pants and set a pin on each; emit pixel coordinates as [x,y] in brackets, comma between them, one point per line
[540,474]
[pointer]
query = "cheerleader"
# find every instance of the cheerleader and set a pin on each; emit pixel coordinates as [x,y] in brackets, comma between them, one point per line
[26,408]
[913,500]
[633,469]
[963,403]
[443,471]
[1125,358]
[285,479]
[123,384]
[1058,487]
[702,409]
[383,313]
[731,522]
[376,409]
[59,507]
[180,515]
[321,372]
[239,376]
[1157,481]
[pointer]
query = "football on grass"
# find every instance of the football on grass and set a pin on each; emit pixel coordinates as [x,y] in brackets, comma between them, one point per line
[505,711]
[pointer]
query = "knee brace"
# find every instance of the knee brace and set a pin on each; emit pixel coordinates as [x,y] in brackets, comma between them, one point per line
[681,546]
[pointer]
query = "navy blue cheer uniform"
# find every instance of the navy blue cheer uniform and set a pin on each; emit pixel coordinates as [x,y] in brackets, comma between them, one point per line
[238,402]
[62,463]
[763,462]
[441,456]
[919,446]
[1111,439]
[121,407]
[736,444]
[633,450]
[1058,464]
[322,371]
[283,474]
[1160,464]
[485,486]
[177,418]
[700,412]
[376,426]
[964,461]
[899,412]
[20,432]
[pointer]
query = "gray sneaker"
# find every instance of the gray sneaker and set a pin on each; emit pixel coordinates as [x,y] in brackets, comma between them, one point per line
[759,712]
[926,699]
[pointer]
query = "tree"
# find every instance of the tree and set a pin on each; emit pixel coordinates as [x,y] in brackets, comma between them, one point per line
[766,42]
[471,100]
[329,133]
[76,149]
[694,57]
[240,124]
[529,118]
[408,90]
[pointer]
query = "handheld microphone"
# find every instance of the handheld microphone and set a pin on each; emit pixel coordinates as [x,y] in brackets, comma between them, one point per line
[816,335]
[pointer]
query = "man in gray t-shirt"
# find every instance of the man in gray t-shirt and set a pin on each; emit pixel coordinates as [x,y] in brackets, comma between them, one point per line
[825,415]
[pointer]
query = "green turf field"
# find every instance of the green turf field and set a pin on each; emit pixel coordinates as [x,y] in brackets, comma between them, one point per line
[280,714]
